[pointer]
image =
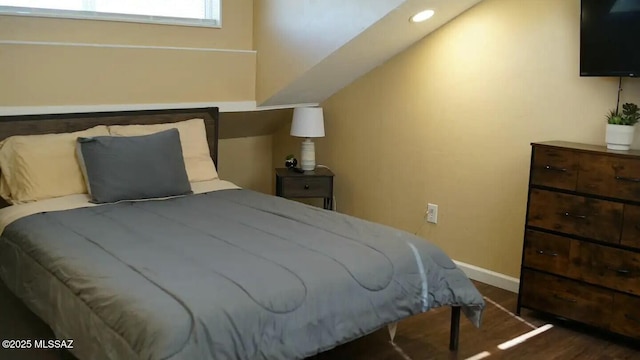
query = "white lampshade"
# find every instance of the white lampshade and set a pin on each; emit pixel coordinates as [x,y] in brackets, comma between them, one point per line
[308,122]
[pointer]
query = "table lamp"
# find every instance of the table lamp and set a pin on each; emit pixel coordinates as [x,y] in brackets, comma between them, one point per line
[308,122]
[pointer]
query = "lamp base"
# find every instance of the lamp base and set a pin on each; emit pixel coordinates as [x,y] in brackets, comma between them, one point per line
[308,155]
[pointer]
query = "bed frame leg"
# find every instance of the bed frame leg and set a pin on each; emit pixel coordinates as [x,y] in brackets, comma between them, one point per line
[455,328]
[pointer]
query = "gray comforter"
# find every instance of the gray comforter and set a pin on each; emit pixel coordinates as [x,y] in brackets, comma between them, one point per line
[231,274]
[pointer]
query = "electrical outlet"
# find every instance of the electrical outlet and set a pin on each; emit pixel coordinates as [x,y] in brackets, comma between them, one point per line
[432,213]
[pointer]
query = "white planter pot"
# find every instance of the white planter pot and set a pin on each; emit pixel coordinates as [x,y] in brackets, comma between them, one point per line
[619,137]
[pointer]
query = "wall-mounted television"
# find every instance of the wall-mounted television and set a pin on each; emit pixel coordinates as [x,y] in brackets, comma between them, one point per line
[610,38]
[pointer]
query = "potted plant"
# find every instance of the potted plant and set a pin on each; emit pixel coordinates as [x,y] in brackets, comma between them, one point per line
[620,126]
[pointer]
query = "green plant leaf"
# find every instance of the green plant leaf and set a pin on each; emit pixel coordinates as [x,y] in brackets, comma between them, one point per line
[630,115]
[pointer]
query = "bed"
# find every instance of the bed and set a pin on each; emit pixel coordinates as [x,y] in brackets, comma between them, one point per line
[218,273]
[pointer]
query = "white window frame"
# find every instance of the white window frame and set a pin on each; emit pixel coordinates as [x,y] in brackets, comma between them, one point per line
[210,12]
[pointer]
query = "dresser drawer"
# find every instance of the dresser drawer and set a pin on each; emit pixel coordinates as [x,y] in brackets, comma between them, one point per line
[627,179]
[631,226]
[601,265]
[596,175]
[300,187]
[626,315]
[609,176]
[554,168]
[566,298]
[546,252]
[577,215]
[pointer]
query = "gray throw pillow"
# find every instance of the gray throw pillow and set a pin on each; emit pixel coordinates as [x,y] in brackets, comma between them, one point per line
[133,167]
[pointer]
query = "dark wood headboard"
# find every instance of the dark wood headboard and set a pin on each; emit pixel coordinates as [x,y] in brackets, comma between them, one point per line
[61,123]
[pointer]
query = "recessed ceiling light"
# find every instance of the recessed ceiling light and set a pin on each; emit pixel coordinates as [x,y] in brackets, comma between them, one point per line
[422,16]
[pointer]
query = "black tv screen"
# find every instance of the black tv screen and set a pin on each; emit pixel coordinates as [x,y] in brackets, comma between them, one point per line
[610,38]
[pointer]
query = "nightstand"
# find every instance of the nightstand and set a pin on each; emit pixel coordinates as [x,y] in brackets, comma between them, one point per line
[310,184]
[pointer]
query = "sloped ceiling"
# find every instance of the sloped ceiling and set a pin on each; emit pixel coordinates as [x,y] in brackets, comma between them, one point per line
[360,36]
[314,79]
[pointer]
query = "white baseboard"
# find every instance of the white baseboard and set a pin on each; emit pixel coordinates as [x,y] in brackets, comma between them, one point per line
[490,277]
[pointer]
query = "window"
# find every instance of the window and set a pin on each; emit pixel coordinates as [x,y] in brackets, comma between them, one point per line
[178,12]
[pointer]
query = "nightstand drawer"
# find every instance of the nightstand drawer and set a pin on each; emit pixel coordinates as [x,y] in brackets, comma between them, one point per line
[308,184]
[300,187]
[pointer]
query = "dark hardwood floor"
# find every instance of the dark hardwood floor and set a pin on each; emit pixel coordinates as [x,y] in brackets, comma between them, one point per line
[422,337]
[426,336]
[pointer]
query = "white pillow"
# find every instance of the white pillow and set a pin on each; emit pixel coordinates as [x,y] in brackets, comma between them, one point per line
[36,167]
[193,137]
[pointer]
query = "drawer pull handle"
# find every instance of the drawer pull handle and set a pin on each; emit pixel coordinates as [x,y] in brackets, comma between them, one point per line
[620,271]
[542,252]
[581,217]
[554,168]
[632,318]
[306,186]
[564,298]
[620,178]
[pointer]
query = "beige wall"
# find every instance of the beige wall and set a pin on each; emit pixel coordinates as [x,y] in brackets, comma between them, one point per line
[41,75]
[293,36]
[450,120]
[36,75]
[247,162]
[95,76]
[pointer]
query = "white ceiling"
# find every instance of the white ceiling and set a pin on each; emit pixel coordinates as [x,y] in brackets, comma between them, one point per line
[372,47]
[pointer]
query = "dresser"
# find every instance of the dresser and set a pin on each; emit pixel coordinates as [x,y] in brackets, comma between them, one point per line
[581,253]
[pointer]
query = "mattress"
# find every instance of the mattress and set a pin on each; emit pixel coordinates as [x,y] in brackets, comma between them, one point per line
[229,274]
